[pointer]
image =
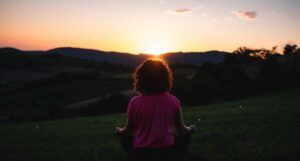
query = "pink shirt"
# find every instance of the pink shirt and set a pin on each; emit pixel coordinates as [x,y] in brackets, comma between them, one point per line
[153,116]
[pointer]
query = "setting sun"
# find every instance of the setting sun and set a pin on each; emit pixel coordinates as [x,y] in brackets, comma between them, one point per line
[157,48]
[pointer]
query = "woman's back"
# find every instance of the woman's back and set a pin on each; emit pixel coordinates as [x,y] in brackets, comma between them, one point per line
[152,119]
[148,132]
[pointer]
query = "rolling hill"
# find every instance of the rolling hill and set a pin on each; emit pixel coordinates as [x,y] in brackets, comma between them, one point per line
[101,56]
[194,58]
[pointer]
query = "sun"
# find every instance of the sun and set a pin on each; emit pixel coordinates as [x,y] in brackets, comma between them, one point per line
[156,48]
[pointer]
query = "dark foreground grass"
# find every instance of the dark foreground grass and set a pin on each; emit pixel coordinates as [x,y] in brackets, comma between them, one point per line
[260,128]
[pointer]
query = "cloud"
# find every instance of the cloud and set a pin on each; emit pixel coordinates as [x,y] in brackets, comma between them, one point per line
[183,10]
[248,15]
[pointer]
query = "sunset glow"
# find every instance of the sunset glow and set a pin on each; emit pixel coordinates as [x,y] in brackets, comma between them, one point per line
[147,26]
[156,48]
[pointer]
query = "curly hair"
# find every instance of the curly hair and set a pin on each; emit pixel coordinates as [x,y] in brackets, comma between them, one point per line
[153,76]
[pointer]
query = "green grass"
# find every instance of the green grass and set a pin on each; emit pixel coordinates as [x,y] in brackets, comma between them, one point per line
[266,128]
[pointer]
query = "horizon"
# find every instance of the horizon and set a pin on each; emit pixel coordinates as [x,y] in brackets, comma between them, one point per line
[279,50]
[149,27]
[83,48]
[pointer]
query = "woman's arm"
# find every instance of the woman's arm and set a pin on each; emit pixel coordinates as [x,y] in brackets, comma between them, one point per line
[180,127]
[127,130]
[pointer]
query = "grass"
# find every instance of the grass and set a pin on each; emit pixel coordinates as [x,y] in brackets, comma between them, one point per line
[262,128]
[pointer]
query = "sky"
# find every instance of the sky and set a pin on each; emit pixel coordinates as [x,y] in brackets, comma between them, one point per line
[149,26]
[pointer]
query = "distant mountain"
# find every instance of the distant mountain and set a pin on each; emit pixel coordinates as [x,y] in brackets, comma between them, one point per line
[9,50]
[97,55]
[194,58]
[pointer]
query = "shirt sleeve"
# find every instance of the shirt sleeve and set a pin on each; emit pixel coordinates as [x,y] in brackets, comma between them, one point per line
[130,108]
[177,103]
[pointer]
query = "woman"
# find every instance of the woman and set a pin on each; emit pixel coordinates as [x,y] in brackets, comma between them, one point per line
[152,114]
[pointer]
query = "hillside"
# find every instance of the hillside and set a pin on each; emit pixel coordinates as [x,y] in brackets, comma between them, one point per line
[194,58]
[34,85]
[259,128]
[100,56]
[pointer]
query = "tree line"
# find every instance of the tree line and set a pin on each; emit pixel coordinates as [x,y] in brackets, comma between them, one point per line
[245,72]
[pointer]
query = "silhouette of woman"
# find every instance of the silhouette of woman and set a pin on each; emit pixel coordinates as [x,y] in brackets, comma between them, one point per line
[151,116]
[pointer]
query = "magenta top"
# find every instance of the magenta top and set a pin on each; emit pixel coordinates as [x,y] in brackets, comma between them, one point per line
[153,117]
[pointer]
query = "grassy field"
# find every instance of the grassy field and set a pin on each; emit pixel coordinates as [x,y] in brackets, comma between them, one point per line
[262,128]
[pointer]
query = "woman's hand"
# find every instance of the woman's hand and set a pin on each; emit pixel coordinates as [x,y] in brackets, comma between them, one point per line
[193,129]
[127,130]
[118,130]
[181,129]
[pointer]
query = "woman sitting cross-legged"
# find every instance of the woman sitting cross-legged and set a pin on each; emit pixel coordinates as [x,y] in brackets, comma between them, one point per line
[151,116]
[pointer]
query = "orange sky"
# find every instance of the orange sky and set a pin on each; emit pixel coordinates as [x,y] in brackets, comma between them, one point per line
[148,26]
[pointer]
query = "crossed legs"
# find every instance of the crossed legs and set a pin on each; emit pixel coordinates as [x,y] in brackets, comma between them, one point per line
[180,146]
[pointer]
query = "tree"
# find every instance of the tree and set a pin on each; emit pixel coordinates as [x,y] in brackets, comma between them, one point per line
[290,49]
[244,51]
